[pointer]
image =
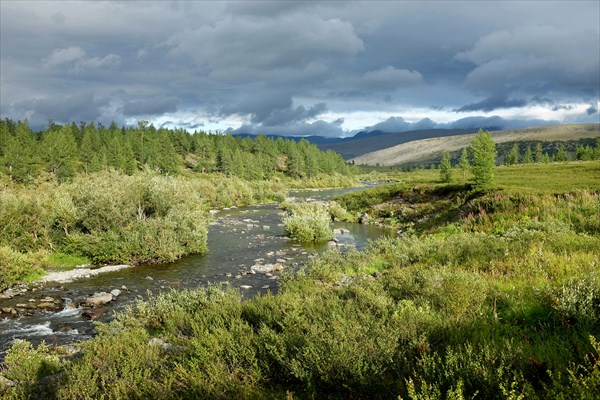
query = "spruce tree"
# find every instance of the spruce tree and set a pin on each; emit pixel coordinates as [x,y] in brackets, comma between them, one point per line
[60,152]
[483,149]
[512,157]
[528,156]
[446,168]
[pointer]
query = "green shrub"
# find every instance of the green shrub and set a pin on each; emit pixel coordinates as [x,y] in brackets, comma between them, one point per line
[16,267]
[27,367]
[308,222]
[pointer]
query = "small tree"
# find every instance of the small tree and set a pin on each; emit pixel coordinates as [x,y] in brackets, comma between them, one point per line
[446,168]
[484,158]
[512,157]
[528,156]
[464,162]
[539,153]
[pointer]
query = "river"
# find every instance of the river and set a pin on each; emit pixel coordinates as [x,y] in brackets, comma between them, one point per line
[238,238]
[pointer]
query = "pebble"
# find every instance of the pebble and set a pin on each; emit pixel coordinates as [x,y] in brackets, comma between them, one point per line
[245,287]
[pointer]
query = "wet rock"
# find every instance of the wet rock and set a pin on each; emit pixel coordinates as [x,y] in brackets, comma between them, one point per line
[49,306]
[98,299]
[213,211]
[266,227]
[238,277]
[364,219]
[115,292]
[332,243]
[281,261]
[262,268]
[149,278]
[268,274]
[341,231]
[23,305]
[47,299]
[279,266]
[228,274]
[246,287]
[92,314]
[9,310]
[9,294]
[265,287]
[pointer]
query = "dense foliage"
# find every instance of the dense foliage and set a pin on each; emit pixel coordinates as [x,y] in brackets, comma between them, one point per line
[308,222]
[500,301]
[64,150]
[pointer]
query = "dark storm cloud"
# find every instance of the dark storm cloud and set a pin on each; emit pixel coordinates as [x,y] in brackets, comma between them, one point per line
[83,106]
[591,110]
[293,67]
[493,103]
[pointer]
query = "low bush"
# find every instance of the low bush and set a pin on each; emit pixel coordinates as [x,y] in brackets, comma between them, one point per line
[16,267]
[308,222]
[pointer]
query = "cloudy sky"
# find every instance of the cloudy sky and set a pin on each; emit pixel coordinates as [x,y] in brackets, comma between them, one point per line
[326,68]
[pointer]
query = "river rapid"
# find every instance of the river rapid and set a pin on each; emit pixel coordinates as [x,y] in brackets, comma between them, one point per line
[238,239]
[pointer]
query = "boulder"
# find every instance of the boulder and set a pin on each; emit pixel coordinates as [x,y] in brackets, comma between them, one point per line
[364,219]
[92,314]
[98,299]
[9,310]
[262,268]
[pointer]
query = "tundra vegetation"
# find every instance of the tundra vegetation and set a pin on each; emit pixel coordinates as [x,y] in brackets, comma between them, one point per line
[77,194]
[490,293]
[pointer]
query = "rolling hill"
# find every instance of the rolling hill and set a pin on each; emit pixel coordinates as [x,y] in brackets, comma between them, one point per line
[424,150]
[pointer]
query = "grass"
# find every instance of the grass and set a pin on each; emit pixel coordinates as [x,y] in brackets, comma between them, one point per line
[63,262]
[497,299]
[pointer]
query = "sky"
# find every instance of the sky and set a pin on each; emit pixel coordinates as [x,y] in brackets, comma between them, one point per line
[301,68]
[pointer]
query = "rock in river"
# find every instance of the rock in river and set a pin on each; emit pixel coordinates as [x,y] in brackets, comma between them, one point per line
[262,268]
[98,299]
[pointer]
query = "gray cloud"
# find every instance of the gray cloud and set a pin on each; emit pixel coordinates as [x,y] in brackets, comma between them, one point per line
[390,78]
[493,103]
[83,106]
[151,106]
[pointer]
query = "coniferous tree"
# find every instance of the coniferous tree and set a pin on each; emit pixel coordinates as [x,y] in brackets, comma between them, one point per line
[446,168]
[561,154]
[484,159]
[512,157]
[60,152]
[21,153]
[538,155]
[528,156]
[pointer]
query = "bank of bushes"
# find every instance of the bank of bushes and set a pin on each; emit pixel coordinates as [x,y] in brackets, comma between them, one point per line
[110,217]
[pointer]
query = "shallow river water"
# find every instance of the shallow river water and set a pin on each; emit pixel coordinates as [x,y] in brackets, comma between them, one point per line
[238,238]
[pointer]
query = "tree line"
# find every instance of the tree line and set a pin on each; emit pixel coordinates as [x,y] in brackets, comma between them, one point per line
[67,149]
